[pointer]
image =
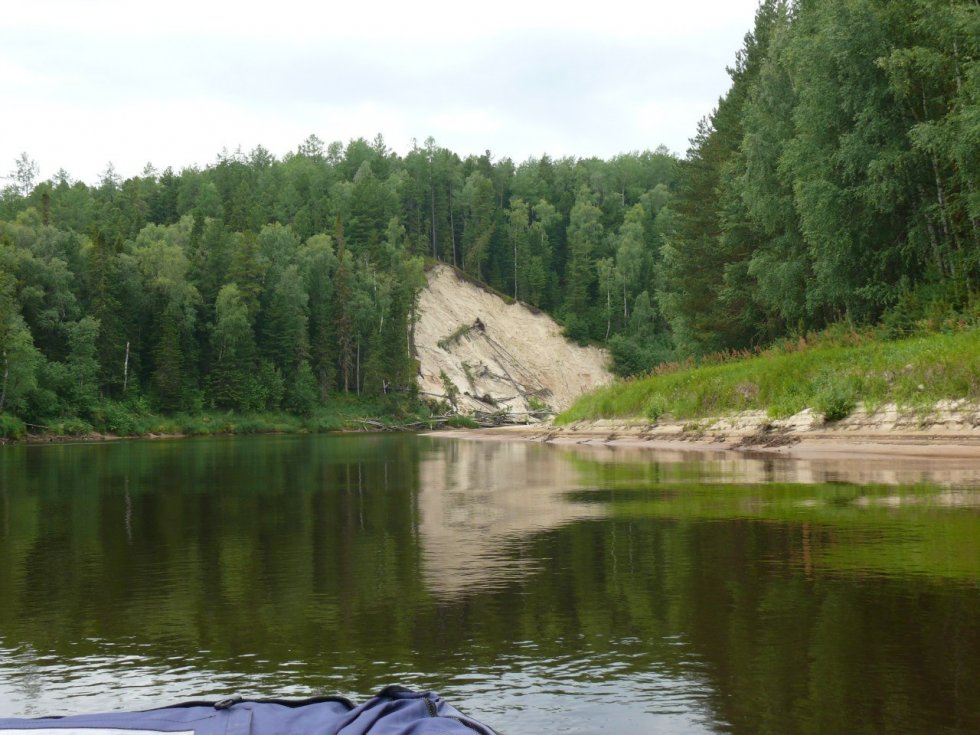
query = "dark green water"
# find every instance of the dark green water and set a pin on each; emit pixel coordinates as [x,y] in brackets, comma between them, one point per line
[539,589]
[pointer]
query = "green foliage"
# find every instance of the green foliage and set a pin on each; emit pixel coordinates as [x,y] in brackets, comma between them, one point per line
[656,407]
[451,339]
[450,389]
[536,404]
[829,182]
[835,183]
[831,377]
[462,422]
[301,392]
[124,419]
[835,395]
[11,427]
[82,365]
[69,427]
[221,286]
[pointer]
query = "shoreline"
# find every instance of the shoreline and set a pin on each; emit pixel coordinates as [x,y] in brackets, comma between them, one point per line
[950,430]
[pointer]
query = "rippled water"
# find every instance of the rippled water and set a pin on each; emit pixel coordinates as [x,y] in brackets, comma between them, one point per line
[540,589]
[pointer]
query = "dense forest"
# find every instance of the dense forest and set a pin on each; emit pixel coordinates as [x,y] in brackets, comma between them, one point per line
[837,180]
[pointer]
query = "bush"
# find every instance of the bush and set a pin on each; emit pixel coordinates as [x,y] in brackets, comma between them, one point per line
[119,418]
[835,396]
[70,427]
[462,422]
[302,394]
[656,407]
[631,356]
[11,427]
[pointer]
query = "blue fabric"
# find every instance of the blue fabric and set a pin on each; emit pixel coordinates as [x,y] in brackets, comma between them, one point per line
[395,711]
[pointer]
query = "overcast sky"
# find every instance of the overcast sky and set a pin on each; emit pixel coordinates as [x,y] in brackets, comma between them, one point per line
[86,82]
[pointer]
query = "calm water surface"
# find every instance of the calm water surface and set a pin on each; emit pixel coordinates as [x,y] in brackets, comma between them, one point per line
[539,588]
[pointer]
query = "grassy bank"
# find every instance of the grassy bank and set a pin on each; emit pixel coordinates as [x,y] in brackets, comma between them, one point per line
[831,375]
[134,420]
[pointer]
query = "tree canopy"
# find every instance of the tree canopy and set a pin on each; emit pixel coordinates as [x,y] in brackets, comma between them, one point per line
[837,179]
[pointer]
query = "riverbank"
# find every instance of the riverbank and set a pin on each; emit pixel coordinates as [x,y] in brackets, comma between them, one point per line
[948,429]
[833,374]
[113,421]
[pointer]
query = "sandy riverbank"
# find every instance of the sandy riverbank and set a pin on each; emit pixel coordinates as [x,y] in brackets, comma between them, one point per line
[948,430]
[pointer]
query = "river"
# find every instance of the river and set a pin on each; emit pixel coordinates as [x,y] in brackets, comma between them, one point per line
[538,588]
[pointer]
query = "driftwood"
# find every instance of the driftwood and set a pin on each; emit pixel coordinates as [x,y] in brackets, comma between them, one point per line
[483,420]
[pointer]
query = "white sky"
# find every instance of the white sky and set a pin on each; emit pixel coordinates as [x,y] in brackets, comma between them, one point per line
[85,82]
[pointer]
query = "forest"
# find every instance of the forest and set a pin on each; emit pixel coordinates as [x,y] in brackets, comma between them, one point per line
[836,181]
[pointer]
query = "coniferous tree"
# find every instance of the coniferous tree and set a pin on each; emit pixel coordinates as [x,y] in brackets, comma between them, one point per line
[585,235]
[342,312]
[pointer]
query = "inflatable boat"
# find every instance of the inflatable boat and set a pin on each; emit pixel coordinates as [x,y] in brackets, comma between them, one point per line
[394,711]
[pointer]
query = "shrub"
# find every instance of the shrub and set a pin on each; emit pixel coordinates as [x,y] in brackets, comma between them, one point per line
[835,396]
[118,418]
[11,427]
[70,427]
[656,407]
[462,422]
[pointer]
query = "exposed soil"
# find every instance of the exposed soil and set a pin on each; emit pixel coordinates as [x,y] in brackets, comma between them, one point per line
[497,356]
[950,429]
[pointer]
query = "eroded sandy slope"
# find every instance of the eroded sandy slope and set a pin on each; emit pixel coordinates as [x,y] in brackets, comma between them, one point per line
[499,356]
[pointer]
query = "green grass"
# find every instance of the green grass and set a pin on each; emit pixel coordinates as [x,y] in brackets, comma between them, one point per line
[831,377]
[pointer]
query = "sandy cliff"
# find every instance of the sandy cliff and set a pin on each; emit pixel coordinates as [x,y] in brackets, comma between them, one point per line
[498,356]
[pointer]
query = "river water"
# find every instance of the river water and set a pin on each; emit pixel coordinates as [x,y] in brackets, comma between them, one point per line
[538,588]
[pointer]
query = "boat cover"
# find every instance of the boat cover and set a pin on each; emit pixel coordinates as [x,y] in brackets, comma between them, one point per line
[394,711]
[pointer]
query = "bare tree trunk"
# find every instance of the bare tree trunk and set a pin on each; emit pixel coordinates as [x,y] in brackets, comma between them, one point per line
[126,369]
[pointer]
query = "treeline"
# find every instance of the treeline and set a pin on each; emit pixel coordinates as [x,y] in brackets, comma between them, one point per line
[836,180]
[839,178]
[261,284]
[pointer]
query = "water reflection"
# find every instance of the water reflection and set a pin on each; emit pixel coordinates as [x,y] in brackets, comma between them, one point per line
[479,502]
[748,467]
[539,588]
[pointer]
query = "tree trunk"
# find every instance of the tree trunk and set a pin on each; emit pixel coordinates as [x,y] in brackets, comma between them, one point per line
[126,369]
